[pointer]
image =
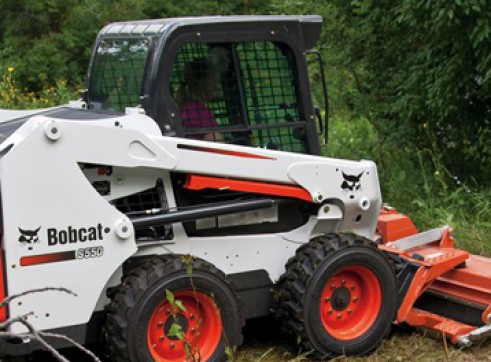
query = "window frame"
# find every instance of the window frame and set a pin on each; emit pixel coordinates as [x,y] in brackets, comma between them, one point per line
[167,112]
[143,92]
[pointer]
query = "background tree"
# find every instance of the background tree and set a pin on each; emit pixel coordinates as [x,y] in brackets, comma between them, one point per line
[46,41]
[426,70]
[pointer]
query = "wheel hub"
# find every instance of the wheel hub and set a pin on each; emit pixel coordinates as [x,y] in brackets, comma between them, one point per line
[350,302]
[179,319]
[340,299]
[199,333]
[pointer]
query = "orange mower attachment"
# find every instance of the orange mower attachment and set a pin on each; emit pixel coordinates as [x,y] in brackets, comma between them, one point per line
[440,287]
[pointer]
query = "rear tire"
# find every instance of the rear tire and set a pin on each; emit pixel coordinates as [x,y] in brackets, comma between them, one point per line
[338,295]
[140,317]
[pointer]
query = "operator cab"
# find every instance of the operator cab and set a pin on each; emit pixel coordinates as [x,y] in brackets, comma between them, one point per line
[240,79]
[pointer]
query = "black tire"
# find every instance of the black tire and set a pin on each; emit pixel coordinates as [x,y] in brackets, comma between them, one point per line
[139,310]
[338,296]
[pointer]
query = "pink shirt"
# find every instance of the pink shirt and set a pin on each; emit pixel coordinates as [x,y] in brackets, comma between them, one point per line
[194,114]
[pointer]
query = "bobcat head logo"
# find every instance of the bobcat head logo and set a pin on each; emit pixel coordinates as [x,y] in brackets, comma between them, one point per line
[29,236]
[351,182]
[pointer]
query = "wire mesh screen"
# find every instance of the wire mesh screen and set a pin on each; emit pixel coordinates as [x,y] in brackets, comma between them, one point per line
[270,94]
[242,93]
[203,88]
[117,74]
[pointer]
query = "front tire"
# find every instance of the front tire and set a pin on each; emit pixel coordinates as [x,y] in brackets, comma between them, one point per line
[338,295]
[141,316]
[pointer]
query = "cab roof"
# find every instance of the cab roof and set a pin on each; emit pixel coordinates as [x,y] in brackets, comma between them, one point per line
[310,24]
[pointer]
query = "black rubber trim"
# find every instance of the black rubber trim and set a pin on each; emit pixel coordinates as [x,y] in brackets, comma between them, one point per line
[256,291]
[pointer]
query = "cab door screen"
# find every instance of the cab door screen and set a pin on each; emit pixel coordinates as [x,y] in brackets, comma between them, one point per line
[241,93]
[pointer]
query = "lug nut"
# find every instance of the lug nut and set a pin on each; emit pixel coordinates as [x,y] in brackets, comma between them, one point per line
[355,299]
[161,338]
[160,324]
[327,300]
[167,312]
[330,311]
[193,330]
[349,311]
[172,346]
[191,316]
[343,281]
[339,316]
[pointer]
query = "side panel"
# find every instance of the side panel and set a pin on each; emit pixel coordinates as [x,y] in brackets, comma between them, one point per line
[243,253]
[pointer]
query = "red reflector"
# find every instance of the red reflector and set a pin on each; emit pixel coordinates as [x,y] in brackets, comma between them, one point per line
[101,171]
[3,310]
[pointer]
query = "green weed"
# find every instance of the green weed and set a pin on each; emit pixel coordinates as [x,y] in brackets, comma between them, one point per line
[13,97]
[417,183]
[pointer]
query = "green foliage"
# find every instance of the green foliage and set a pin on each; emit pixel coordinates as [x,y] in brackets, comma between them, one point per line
[13,97]
[50,40]
[417,183]
[353,139]
[165,8]
[175,330]
[175,303]
[428,197]
[231,353]
[425,66]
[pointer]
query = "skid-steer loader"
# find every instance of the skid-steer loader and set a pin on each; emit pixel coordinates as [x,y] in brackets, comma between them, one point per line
[171,224]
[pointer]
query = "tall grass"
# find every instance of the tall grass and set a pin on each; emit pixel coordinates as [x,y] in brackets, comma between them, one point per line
[416,183]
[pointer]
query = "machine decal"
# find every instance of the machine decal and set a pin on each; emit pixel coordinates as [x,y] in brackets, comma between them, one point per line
[28,236]
[47,258]
[91,252]
[224,152]
[80,254]
[70,235]
[76,235]
[351,182]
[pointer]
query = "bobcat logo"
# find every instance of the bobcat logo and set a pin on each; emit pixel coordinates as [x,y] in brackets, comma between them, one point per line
[29,236]
[351,182]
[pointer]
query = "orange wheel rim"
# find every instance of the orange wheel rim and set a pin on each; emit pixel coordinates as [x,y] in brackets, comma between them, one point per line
[200,323]
[350,302]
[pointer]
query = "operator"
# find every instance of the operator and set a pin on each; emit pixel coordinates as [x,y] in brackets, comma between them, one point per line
[198,87]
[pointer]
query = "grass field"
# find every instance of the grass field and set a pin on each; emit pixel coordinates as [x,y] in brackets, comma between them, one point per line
[416,347]
[263,343]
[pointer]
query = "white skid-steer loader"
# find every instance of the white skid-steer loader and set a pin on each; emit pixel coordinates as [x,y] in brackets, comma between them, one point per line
[184,194]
